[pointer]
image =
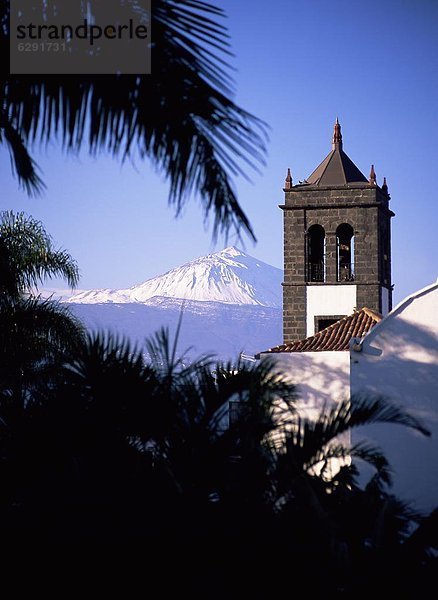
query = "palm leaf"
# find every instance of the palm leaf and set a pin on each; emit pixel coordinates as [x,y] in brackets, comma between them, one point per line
[35,336]
[359,411]
[28,257]
[311,443]
[22,163]
[344,453]
[182,116]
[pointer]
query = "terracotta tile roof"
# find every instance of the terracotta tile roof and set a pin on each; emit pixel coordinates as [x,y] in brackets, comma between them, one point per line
[336,336]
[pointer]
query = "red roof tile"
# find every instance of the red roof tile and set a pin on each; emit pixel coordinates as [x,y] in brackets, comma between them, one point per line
[335,337]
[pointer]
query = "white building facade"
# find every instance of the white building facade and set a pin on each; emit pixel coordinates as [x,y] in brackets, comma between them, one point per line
[398,359]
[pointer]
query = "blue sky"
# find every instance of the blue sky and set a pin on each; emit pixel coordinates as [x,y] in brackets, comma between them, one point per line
[299,64]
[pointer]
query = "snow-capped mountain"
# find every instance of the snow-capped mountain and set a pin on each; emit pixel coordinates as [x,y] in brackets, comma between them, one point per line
[230,276]
[229,302]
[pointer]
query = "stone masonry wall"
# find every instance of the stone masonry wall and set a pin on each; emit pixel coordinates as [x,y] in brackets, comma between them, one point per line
[365,208]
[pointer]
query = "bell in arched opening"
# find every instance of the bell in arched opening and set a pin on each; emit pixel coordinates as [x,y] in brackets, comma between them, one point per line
[345,252]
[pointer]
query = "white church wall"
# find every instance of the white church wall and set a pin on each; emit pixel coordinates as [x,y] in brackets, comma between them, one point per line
[322,378]
[328,300]
[399,360]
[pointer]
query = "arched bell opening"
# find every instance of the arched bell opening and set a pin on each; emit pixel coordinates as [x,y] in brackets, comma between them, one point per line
[345,252]
[316,253]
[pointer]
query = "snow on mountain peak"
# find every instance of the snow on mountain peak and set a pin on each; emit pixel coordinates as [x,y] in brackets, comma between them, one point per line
[232,251]
[230,276]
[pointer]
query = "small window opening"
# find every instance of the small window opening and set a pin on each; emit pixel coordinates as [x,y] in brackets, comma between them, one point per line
[324,323]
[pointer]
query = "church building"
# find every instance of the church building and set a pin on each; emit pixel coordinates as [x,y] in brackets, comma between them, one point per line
[337,285]
[337,245]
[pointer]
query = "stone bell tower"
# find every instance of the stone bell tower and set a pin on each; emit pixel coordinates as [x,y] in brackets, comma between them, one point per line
[337,245]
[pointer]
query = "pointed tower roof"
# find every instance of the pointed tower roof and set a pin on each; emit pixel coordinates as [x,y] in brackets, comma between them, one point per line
[336,168]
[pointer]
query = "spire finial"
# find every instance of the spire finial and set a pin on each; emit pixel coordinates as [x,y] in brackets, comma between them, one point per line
[385,186]
[337,136]
[288,181]
[372,176]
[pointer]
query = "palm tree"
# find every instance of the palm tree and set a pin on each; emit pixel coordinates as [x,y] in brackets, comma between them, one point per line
[34,334]
[35,337]
[28,256]
[22,163]
[182,116]
[337,525]
[115,448]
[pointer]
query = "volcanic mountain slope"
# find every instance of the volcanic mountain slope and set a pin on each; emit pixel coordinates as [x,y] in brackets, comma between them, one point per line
[229,302]
[230,276]
[216,328]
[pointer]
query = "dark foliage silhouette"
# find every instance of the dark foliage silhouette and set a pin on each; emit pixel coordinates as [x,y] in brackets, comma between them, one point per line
[28,257]
[35,334]
[115,452]
[103,452]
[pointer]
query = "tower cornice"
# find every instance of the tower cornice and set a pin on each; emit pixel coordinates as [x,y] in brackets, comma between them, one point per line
[377,204]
